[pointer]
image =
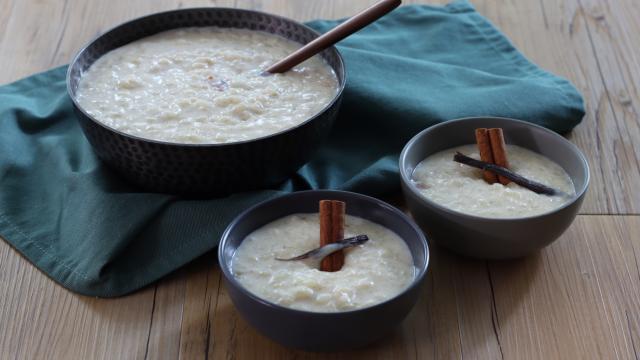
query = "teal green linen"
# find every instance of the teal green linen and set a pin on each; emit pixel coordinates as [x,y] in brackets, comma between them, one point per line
[94,234]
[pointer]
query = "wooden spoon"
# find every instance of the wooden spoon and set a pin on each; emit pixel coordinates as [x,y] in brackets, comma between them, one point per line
[336,34]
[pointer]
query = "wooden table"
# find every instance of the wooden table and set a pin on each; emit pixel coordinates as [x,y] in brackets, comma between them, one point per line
[578,298]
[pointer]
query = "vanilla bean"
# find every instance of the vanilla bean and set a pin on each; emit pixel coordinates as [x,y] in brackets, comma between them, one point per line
[499,170]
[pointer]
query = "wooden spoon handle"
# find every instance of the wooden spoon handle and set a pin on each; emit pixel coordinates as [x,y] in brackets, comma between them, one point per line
[336,34]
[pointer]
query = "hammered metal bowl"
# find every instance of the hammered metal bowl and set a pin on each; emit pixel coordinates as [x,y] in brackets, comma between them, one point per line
[204,170]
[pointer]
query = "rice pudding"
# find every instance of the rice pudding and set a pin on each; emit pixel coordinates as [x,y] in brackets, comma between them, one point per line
[204,85]
[373,272]
[462,188]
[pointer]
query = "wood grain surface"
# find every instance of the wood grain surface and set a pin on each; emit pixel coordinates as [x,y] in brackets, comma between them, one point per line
[579,298]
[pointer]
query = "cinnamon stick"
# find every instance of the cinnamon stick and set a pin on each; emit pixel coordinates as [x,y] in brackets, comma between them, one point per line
[499,153]
[332,230]
[486,155]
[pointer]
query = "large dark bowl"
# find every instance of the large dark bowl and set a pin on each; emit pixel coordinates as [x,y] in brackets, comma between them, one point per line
[316,331]
[483,237]
[204,169]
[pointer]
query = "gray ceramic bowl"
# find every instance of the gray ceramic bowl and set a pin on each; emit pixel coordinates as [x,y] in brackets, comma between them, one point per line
[484,237]
[314,331]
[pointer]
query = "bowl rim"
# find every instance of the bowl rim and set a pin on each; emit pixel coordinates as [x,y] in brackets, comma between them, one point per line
[408,183]
[417,280]
[336,97]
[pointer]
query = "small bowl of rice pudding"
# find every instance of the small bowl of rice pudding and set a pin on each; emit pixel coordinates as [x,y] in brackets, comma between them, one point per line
[301,305]
[178,102]
[477,213]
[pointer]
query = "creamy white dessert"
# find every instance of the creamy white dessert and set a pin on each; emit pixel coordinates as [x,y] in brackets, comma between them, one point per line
[204,85]
[373,272]
[461,188]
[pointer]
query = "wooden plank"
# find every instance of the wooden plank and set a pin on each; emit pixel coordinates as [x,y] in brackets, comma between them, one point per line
[559,44]
[559,35]
[610,26]
[164,333]
[40,319]
[578,298]
[595,326]
[201,298]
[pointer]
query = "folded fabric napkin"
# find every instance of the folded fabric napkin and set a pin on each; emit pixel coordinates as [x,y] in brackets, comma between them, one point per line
[94,234]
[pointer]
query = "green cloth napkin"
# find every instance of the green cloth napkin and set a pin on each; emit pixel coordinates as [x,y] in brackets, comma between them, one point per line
[94,234]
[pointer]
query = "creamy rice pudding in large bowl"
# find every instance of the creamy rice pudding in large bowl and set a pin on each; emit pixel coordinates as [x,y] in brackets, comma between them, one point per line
[178,102]
[452,179]
[308,304]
